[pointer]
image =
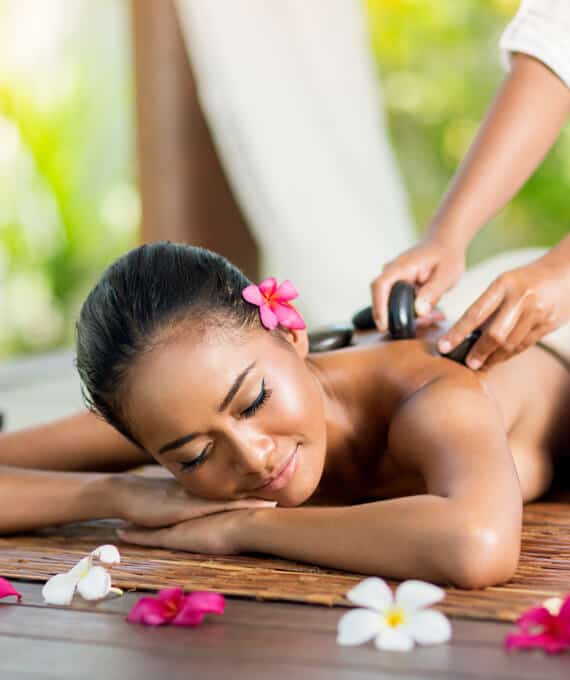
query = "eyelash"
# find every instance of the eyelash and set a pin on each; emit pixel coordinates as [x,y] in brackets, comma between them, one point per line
[262,397]
[247,413]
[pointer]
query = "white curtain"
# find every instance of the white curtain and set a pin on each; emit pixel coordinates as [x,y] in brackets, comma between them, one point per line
[291,97]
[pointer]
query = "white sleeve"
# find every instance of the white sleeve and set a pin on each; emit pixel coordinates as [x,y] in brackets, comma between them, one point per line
[541,29]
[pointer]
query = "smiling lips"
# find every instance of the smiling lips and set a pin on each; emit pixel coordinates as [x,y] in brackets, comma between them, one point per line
[283,477]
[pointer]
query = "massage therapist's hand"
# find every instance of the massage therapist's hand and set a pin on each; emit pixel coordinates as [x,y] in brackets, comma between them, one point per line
[156,502]
[518,308]
[218,534]
[432,266]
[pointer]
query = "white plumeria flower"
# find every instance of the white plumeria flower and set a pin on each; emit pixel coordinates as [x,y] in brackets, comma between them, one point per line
[553,604]
[395,623]
[91,582]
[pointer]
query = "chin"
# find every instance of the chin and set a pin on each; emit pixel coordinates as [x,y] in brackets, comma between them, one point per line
[299,493]
[291,500]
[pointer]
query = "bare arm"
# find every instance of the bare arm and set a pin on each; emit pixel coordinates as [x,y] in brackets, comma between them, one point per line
[32,499]
[465,530]
[57,494]
[78,442]
[510,144]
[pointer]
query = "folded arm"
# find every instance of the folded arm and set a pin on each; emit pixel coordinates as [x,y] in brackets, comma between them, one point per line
[465,530]
[32,499]
[55,473]
[80,442]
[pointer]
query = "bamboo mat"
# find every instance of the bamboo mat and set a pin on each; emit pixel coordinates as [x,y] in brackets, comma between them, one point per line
[544,569]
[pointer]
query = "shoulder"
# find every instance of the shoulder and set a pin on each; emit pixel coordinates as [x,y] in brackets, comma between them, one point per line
[449,414]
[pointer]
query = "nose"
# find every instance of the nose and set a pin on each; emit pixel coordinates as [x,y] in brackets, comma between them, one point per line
[254,453]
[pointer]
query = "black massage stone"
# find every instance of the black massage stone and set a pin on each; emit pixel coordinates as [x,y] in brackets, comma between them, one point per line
[330,337]
[460,353]
[401,315]
[401,322]
[363,320]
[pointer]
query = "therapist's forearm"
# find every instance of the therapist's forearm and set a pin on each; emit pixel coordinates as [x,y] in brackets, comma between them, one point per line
[521,126]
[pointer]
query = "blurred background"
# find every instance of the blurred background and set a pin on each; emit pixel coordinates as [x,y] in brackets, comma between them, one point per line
[69,199]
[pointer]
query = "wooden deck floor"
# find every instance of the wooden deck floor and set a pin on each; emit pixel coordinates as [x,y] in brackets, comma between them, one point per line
[251,640]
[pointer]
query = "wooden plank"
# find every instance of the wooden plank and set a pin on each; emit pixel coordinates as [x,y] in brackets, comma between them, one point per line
[185,194]
[269,633]
[297,617]
[219,645]
[47,659]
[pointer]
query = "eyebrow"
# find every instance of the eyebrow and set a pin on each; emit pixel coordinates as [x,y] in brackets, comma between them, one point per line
[234,389]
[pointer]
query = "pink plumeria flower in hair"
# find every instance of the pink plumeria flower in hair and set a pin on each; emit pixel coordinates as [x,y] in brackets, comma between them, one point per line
[274,304]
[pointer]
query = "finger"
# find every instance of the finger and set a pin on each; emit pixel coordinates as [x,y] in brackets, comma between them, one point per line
[142,536]
[212,507]
[482,349]
[495,335]
[536,334]
[430,293]
[498,356]
[474,317]
[249,503]
[435,316]
[380,292]
[517,336]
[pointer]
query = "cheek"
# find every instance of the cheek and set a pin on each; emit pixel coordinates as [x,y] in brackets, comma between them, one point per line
[297,400]
[209,482]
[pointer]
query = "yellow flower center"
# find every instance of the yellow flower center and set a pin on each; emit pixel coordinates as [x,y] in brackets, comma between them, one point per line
[395,617]
[171,607]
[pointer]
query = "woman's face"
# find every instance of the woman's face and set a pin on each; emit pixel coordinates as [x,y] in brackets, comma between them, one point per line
[227,411]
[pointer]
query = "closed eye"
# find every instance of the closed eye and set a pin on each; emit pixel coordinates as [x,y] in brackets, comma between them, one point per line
[260,400]
[188,465]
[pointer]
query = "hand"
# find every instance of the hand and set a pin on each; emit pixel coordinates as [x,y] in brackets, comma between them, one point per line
[214,535]
[151,502]
[518,308]
[432,266]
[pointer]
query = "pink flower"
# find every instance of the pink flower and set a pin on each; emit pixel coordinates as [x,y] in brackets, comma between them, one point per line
[6,589]
[539,627]
[273,303]
[172,606]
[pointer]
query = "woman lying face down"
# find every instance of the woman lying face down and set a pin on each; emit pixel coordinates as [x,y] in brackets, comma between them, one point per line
[383,458]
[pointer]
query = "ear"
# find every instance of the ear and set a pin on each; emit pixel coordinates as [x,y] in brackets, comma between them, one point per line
[300,341]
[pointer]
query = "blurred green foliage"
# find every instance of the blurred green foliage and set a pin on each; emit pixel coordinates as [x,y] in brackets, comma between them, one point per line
[439,65]
[69,203]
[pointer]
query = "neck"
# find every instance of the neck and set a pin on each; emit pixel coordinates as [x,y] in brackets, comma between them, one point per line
[341,412]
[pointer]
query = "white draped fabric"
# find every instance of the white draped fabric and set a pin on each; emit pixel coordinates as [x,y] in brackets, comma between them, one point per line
[540,28]
[291,96]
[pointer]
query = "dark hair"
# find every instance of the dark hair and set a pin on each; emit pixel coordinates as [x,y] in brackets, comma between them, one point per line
[141,296]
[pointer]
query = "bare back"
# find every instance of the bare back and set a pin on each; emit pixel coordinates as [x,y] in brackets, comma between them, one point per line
[374,377]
